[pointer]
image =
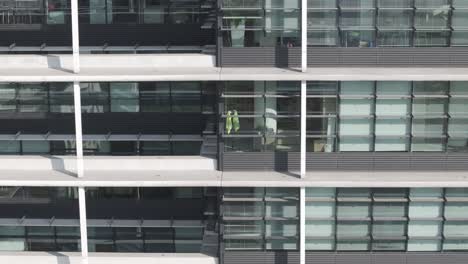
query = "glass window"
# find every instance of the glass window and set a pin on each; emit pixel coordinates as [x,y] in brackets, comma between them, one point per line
[35,147]
[245,106]
[186,148]
[94,97]
[320,144]
[61,97]
[9,147]
[459,38]
[246,125]
[394,18]
[321,19]
[33,97]
[322,38]
[159,239]
[243,144]
[283,143]
[325,126]
[434,19]
[356,3]
[322,88]
[186,97]
[155,148]
[392,38]
[155,97]
[124,97]
[431,38]
[321,106]
[428,127]
[358,38]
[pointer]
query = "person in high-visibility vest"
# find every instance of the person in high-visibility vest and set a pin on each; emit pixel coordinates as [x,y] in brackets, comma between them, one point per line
[235,121]
[228,122]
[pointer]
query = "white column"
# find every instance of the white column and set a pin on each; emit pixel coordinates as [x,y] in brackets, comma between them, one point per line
[303,127]
[302,225]
[304,35]
[83,225]
[78,130]
[75,36]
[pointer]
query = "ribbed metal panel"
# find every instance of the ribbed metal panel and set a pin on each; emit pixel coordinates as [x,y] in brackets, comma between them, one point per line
[428,161]
[261,57]
[416,161]
[357,258]
[356,161]
[391,161]
[382,258]
[320,258]
[261,257]
[398,56]
[288,257]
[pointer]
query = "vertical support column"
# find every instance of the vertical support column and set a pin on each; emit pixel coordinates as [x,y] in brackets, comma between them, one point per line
[80,170]
[303,127]
[302,195]
[83,224]
[304,35]
[302,226]
[78,129]
[75,36]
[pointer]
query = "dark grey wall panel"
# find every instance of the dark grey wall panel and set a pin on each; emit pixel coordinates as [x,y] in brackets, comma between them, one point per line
[261,57]
[416,161]
[405,56]
[261,257]
[281,161]
[292,257]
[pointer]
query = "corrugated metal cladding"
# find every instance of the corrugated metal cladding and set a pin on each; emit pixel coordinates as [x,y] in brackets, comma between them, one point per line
[285,257]
[346,161]
[345,57]
[405,56]
[261,57]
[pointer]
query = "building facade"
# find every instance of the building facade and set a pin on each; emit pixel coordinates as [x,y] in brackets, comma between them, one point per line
[234,131]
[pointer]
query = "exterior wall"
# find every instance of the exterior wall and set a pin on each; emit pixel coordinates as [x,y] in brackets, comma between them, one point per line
[398,161]
[387,57]
[260,57]
[288,257]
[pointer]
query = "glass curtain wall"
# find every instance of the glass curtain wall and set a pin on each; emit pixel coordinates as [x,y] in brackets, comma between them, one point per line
[33,14]
[140,12]
[39,219]
[148,219]
[35,23]
[260,218]
[49,108]
[366,23]
[261,116]
[391,219]
[266,23]
[387,116]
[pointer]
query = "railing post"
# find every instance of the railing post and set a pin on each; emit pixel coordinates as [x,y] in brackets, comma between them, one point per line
[75,36]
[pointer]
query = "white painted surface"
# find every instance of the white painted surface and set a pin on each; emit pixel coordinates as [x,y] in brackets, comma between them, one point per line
[213,178]
[83,224]
[78,129]
[302,225]
[196,67]
[105,258]
[106,163]
[304,21]
[303,128]
[106,61]
[75,36]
